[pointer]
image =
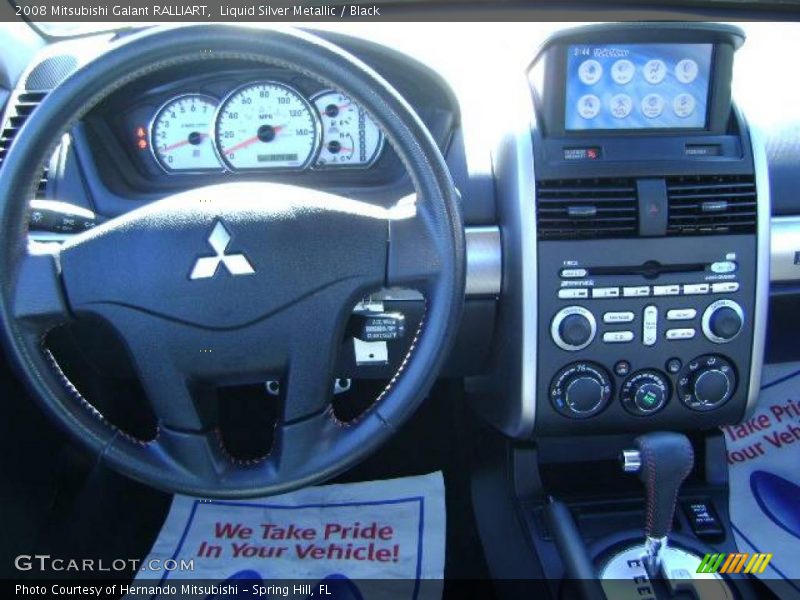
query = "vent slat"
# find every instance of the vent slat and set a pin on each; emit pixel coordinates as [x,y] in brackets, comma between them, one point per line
[586,208]
[711,205]
[24,105]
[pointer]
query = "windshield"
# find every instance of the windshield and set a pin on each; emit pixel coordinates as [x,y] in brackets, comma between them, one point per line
[215,12]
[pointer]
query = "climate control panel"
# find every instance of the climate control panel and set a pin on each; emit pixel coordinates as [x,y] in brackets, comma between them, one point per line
[581,390]
[644,333]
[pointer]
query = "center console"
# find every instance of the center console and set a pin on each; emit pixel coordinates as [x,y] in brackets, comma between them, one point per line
[634,211]
[649,232]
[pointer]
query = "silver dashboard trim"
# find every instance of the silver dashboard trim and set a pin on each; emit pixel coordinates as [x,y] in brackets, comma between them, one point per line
[516,189]
[763,260]
[784,249]
[484,261]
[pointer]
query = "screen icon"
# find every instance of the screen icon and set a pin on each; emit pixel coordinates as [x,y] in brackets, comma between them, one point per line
[654,71]
[622,71]
[652,106]
[589,106]
[590,72]
[686,71]
[621,105]
[683,105]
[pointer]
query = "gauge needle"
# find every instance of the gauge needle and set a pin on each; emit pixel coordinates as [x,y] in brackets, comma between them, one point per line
[251,140]
[181,143]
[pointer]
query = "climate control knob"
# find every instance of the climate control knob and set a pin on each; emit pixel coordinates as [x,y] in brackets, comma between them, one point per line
[707,383]
[573,328]
[645,392]
[580,390]
[722,321]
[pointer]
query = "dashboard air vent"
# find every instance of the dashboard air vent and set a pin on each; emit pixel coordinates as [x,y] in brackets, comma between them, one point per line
[711,205]
[21,108]
[586,208]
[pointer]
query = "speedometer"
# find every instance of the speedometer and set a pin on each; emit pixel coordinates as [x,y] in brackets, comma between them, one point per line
[180,134]
[349,135]
[266,125]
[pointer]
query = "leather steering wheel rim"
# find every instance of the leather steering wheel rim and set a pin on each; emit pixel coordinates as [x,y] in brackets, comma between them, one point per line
[35,295]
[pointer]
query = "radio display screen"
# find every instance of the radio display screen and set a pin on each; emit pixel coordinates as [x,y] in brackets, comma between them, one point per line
[637,86]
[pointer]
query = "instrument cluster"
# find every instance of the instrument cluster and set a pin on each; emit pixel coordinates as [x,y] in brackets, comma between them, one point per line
[263,125]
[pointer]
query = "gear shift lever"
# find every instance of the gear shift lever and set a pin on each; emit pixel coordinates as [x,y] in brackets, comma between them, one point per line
[662,460]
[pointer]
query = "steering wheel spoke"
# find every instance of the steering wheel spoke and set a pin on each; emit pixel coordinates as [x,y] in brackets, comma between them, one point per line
[298,443]
[414,258]
[198,453]
[38,297]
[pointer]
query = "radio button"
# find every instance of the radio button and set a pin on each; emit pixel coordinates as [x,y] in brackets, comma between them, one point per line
[725,287]
[681,314]
[573,328]
[573,273]
[666,290]
[725,266]
[650,325]
[674,365]
[681,334]
[723,321]
[607,292]
[618,317]
[695,288]
[573,293]
[636,291]
[617,337]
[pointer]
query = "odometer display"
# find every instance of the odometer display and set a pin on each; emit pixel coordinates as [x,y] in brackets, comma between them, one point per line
[266,126]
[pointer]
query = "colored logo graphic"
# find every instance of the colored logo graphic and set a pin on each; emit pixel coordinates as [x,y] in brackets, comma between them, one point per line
[777,497]
[735,562]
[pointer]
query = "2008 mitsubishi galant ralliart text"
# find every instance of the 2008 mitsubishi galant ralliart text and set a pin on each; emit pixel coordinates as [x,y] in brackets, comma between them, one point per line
[404,300]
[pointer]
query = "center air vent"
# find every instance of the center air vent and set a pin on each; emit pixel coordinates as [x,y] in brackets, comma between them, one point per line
[711,205]
[20,109]
[586,208]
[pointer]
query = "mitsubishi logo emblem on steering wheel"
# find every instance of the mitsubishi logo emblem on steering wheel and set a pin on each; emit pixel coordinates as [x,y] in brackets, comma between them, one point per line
[206,266]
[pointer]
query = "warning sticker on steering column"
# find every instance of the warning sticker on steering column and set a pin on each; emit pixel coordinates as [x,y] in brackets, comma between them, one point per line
[359,540]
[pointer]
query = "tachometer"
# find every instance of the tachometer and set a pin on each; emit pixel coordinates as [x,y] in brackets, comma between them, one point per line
[349,135]
[266,126]
[180,134]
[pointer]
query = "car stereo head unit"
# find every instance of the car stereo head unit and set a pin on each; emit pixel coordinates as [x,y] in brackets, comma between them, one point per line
[629,78]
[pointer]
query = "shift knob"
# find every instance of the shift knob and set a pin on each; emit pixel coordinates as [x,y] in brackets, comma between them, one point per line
[664,460]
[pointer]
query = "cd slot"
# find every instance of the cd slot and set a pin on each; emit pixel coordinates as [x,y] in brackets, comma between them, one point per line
[648,270]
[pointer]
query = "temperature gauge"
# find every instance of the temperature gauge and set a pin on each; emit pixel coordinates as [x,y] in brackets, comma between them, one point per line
[350,138]
[180,135]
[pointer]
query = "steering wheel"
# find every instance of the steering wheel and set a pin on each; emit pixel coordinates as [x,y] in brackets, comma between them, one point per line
[284,267]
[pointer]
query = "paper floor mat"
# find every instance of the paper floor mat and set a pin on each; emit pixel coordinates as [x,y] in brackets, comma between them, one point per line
[379,539]
[764,468]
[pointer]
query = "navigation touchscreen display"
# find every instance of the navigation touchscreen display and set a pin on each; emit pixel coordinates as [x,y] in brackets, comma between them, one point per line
[637,86]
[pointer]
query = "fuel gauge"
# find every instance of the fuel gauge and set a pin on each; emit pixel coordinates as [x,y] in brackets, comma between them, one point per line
[350,138]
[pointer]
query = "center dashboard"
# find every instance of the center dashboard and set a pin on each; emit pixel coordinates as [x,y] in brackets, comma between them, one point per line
[647,303]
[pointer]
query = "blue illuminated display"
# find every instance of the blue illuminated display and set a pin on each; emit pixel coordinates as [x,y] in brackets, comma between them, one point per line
[637,86]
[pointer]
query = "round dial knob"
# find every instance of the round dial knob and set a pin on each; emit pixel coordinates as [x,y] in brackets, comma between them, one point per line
[722,321]
[580,390]
[645,392]
[707,383]
[573,328]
